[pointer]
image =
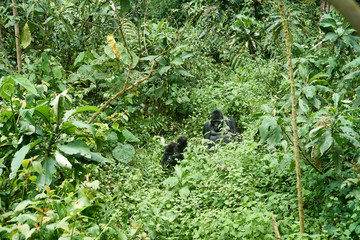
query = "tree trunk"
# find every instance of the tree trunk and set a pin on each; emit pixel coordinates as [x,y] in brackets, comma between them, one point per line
[324,8]
[294,122]
[17,39]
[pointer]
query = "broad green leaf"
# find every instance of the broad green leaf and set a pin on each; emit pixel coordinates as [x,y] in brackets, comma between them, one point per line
[183,72]
[309,91]
[94,185]
[59,106]
[96,157]
[7,90]
[25,36]
[352,75]
[185,55]
[179,171]
[108,52]
[79,58]
[353,63]
[21,206]
[177,61]
[129,136]
[127,58]
[46,177]
[159,91]
[170,216]
[87,108]
[303,106]
[57,72]
[43,111]
[80,124]
[351,139]
[276,137]
[123,152]
[37,167]
[76,147]
[78,205]
[328,24]
[25,230]
[45,62]
[17,160]
[184,192]
[27,115]
[62,160]
[336,98]
[315,130]
[319,76]
[171,181]
[331,36]
[357,100]
[149,58]
[163,69]
[327,141]
[63,224]
[86,72]
[23,81]
[68,114]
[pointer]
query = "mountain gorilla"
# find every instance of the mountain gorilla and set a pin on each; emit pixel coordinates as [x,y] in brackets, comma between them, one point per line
[174,152]
[221,129]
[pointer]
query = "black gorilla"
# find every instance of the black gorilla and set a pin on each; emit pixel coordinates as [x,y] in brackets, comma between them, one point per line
[174,152]
[221,129]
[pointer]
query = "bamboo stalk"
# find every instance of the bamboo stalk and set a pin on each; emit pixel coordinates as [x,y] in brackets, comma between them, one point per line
[294,122]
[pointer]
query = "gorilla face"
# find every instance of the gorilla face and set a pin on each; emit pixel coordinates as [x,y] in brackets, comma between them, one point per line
[216,125]
[216,121]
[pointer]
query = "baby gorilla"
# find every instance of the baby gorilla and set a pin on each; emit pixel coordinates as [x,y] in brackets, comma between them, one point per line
[173,153]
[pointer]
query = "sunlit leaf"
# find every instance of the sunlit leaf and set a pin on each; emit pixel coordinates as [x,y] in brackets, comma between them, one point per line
[177,61]
[21,206]
[62,160]
[76,147]
[37,167]
[26,83]
[336,98]
[184,192]
[17,160]
[25,36]
[129,136]
[327,142]
[123,152]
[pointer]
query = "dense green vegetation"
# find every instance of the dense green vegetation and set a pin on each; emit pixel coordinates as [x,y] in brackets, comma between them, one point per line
[74,168]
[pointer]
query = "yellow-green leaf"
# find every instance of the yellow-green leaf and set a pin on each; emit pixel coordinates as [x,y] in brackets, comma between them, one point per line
[113,45]
[25,36]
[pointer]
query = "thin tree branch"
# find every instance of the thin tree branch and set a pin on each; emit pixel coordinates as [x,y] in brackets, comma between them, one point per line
[104,106]
[276,230]
[17,39]
[91,23]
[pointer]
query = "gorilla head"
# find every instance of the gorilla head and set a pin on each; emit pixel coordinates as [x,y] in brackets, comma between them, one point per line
[216,121]
[174,152]
[181,144]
